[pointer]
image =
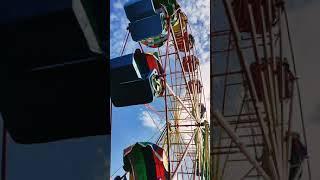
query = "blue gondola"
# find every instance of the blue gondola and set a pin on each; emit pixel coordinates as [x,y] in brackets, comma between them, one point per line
[135,79]
[142,14]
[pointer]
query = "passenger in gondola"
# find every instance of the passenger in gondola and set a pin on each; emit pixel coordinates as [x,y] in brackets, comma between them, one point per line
[289,79]
[298,154]
[202,110]
[138,54]
[191,40]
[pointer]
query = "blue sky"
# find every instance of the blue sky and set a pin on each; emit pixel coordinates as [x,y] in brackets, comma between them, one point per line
[133,124]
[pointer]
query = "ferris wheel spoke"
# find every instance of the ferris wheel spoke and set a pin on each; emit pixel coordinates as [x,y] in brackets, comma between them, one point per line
[184,155]
[181,103]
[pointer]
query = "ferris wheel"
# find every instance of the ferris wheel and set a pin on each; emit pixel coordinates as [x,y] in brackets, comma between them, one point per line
[163,74]
[254,89]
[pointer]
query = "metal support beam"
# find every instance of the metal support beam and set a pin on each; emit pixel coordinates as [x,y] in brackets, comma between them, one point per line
[248,76]
[220,119]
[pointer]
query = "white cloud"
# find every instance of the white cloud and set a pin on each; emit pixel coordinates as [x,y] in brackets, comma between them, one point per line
[198,13]
[205,71]
[118,5]
[150,120]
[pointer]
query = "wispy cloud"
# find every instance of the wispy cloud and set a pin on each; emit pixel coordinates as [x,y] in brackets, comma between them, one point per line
[118,26]
[198,13]
[205,71]
[118,4]
[150,120]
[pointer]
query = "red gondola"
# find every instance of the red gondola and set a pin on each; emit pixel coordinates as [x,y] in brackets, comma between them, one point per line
[287,83]
[195,86]
[190,63]
[185,43]
[241,13]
